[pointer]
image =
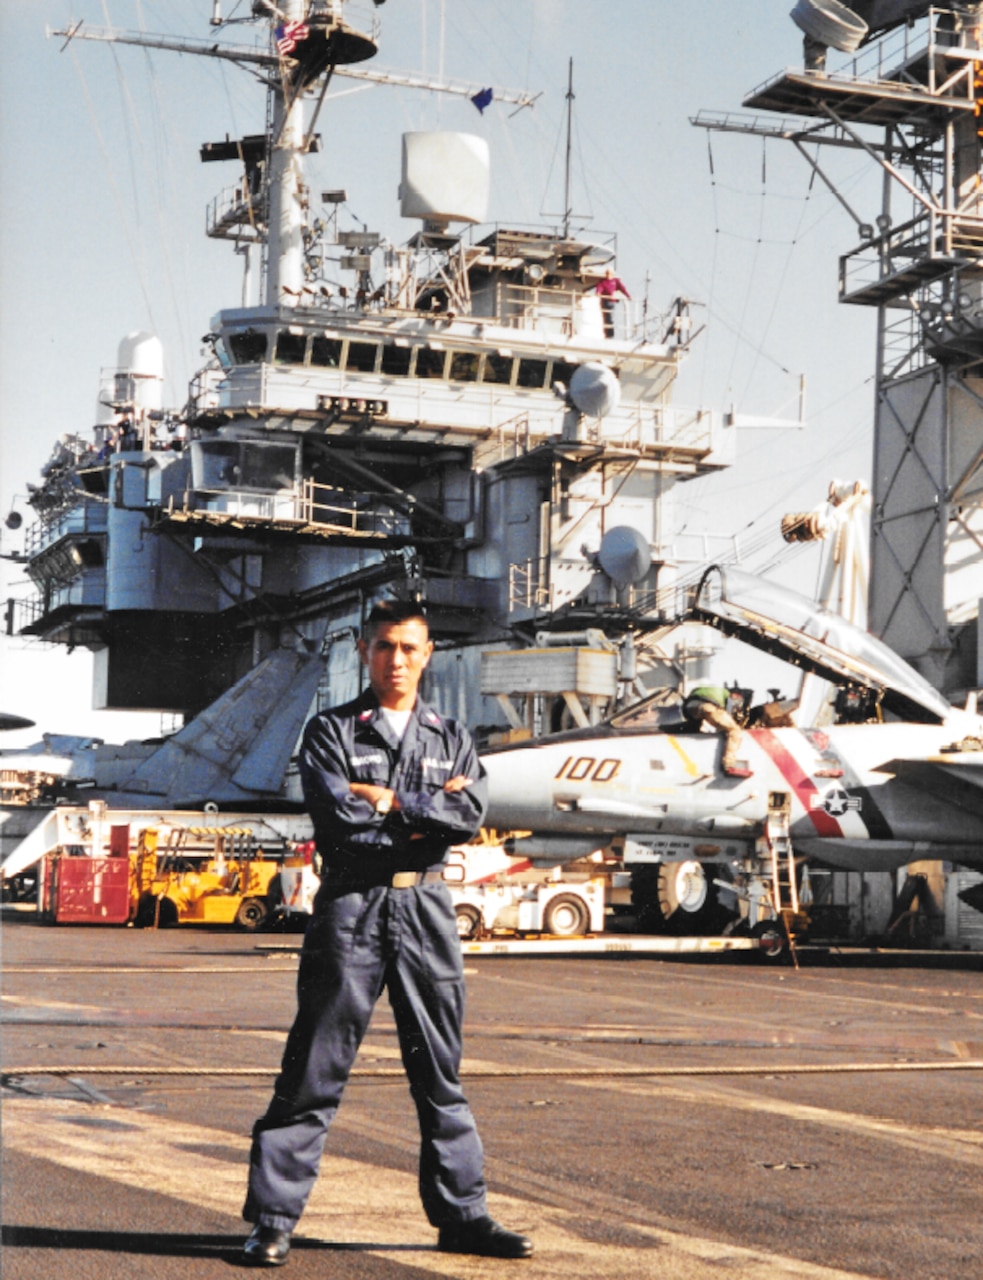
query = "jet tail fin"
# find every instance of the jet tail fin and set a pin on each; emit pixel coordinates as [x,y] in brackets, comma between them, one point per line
[235,751]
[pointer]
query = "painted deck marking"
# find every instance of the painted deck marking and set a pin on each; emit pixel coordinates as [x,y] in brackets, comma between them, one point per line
[363,1205]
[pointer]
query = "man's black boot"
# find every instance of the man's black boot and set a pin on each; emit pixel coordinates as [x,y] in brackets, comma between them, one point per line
[267,1246]
[485,1238]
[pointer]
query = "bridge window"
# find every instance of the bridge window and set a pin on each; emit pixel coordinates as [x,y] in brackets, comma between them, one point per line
[497,368]
[248,347]
[256,465]
[396,361]
[326,352]
[562,372]
[362,356]
[430,363]
[216,464]
[291,348]
[88,553]
[267,467]
[464,366]
[532,374]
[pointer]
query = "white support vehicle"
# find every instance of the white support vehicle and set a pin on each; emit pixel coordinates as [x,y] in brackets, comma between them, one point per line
[298,885]
[494,892]
[559,909]
[293,891]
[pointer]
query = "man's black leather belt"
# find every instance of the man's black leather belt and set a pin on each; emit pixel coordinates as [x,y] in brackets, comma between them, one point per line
[398,880]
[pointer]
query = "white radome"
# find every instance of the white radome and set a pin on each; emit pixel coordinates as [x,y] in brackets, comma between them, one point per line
[595,390]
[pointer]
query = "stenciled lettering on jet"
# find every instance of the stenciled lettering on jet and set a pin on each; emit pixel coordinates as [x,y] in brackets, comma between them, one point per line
[588,769]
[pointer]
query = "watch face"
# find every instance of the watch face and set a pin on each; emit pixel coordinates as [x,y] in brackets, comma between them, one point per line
[383,804]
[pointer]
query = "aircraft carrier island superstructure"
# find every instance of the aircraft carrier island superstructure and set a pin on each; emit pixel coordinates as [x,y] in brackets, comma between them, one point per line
[462,419]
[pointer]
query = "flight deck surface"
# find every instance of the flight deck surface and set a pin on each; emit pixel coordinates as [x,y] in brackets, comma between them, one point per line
[606,1139]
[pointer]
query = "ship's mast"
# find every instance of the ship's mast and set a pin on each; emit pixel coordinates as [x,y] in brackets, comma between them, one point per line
[285,261]
[566,170]
[326,44]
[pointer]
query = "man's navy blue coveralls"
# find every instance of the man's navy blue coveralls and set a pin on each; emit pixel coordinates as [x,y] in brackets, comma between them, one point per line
[365,935]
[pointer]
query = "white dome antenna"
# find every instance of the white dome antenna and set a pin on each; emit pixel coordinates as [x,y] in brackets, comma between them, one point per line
[595,389]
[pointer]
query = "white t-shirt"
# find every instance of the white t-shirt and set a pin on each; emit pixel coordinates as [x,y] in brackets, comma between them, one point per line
[397,720]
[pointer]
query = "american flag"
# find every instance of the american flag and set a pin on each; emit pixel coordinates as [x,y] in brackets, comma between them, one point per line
[289,35]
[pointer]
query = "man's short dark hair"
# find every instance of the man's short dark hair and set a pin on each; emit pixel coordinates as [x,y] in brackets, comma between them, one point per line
[387,613]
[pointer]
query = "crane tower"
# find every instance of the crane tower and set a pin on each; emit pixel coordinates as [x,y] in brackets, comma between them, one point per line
[908,94]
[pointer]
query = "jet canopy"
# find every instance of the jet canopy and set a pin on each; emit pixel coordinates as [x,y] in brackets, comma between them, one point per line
[792,627]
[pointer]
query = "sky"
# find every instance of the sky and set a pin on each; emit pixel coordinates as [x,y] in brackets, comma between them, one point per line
[102,213]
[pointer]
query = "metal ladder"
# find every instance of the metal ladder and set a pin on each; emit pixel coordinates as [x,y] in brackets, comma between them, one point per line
[777,840]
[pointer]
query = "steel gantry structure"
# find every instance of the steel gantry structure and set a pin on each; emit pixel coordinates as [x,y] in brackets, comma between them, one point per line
[911,100]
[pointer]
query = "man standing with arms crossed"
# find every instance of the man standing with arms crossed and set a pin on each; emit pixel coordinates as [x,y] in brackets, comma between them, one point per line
[389,785]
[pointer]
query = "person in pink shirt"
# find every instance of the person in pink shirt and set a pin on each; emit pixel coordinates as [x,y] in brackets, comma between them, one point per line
[608,290]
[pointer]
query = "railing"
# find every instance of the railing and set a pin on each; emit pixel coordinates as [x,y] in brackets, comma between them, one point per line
[529,587]
[204,390]
[920,239]
[522,306]
[80,604]
[20,614]
[683,428]
[85,519]
[882,58]
[935,235]
[530,592]
[950,317]
[563,311]
[358,14]
[321,506]
[514,437]
[665,426]
[234,214]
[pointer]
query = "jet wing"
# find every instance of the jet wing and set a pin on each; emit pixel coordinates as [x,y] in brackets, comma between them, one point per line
[956,779]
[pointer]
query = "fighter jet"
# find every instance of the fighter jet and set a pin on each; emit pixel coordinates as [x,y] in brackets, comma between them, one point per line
[232,755]
[896,776]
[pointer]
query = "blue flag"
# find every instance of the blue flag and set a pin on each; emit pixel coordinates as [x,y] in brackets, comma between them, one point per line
[482,99]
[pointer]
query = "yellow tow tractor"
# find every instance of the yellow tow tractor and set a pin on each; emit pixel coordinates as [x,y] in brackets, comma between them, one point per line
[201,875]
